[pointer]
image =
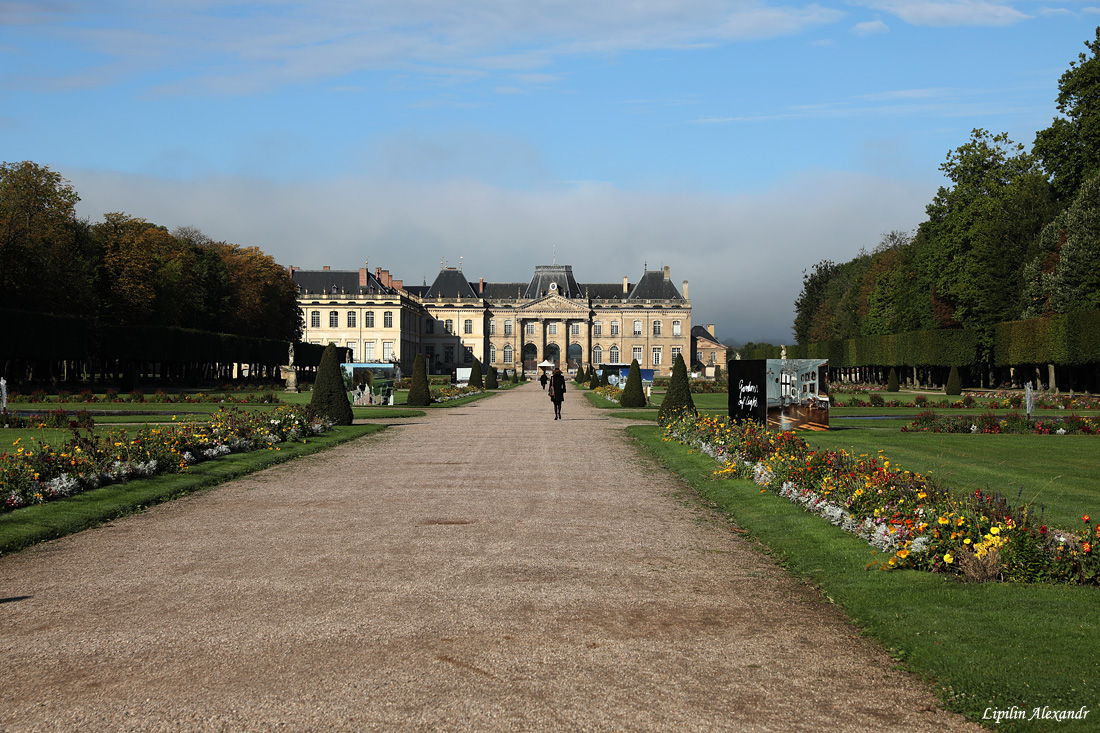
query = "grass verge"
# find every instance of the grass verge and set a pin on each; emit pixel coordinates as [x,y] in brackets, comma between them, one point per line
[33,524]
[986,646]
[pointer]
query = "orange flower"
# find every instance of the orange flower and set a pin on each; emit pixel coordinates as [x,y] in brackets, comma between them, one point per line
[1087,547]
[1085,519]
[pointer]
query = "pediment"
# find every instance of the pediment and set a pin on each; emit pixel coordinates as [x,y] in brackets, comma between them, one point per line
[554,304]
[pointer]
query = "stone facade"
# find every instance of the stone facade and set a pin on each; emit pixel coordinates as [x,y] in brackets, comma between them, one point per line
[508,325]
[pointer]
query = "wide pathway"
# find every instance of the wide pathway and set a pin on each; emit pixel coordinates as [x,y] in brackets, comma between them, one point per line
[482,568]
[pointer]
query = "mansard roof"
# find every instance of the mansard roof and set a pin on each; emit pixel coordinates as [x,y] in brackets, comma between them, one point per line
[450,283]
[560,276]
[701,332]
[654,286]
[337,282]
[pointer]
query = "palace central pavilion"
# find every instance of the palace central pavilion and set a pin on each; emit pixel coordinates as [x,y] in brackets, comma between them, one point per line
[552,317]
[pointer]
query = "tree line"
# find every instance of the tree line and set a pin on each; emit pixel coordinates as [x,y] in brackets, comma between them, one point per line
[126,271]
[1014,235]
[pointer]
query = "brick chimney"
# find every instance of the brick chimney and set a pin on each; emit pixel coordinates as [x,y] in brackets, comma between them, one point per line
[397,284]
[686,296]
[625,288]
[326,267]
[363,277]
[480,285]
[710,329]
[668,273]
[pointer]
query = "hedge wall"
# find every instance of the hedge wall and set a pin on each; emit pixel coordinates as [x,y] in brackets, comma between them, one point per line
[915,348]
[1070,339]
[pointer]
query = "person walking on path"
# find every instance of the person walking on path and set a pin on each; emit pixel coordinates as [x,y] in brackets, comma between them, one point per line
[557,392]
[543,380]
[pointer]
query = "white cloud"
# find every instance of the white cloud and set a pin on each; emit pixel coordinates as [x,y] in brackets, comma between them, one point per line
[870,28]
[743,255]
[944,13]
[279,43]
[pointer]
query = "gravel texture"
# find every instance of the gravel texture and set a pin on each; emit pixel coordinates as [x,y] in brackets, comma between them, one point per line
[483,568]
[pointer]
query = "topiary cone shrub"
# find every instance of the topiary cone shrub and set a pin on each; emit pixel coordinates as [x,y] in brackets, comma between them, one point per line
[892,381]
[491,378]
[419,394]
[678,395]
[515,376]
[605,378]
[476,379]
[633,396]
[718,379]
[954,384]
[330,399]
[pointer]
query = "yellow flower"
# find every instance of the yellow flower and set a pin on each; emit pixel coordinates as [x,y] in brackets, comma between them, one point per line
[995,531]
[949,558]
[944,520]
[903,554]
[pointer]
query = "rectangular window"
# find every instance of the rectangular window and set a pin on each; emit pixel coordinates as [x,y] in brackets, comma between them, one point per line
[638,354]
[467,355]
[333,319]
[531,328]
[675,328]
[315,319]
[468,326]
[507,328]
[351,319]
[351,349]
[637,328]
[448,354]
[368,319]
[368,351]
[492,328]
[387,351]
[449,326]
[387,319]
[656,328]
[429,325]
[597,329]
[675,353]
[656,356]
[552,329]
[614,328]
[575,329]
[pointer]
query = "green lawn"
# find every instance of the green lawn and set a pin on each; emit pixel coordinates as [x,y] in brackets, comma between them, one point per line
[1058,472]
[990,645]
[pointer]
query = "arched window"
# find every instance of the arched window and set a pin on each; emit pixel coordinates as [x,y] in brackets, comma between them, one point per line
[351,319]
[333,319]
[614,355]
[315,319]
[368,319]
[492,354]
[597,354]
[508,354]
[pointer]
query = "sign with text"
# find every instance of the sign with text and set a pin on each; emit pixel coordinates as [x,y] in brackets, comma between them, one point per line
[783,394]
[748,391]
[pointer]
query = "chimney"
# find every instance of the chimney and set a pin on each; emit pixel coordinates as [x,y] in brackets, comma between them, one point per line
[363,277]
[292,269]
[668,273]
[326,267]
[398,284]
[710,329]
[625,289]
[480,285]
[686,296]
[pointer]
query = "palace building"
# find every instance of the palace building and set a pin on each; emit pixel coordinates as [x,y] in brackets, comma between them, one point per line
[552,317]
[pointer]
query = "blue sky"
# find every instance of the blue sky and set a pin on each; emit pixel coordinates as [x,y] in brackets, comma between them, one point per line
[737,141]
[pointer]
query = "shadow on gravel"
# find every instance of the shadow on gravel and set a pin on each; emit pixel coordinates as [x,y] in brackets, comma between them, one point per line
[13,599]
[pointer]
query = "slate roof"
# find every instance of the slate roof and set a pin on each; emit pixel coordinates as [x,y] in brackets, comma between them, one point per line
[560,275]
[450,283]
[606,291]
[701,332]
[336,282]
[653,286]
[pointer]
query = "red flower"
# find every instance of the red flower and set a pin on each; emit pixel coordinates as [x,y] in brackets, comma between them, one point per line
[1085,519]
[1087,547]
[1043,529]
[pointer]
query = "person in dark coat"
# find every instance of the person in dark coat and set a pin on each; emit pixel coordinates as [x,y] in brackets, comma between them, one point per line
[543,380]
[557,392]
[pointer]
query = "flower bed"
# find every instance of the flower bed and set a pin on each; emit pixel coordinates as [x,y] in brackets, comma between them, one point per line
[609,393]
[907,516]
[160,397]
[991,401]
[448,393]
[40,473]
[1013,423]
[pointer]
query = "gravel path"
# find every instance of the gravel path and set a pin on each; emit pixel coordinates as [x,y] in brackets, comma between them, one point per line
[482,568]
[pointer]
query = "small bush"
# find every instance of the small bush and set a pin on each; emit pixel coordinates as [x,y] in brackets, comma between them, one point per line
[954,384]
[330,399]
[633,395]
[892,381]
[419,393]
